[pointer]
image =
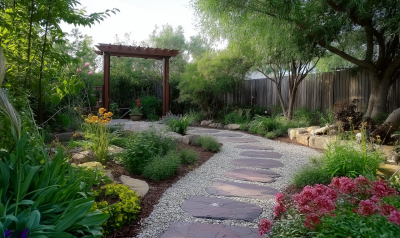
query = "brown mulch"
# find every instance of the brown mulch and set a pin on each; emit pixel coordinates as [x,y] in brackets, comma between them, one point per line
[156,188]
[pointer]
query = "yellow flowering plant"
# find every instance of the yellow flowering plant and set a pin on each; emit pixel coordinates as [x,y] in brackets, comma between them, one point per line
[98,134]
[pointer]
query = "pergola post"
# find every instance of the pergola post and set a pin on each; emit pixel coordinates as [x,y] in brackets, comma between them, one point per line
[166,92]
[106,81]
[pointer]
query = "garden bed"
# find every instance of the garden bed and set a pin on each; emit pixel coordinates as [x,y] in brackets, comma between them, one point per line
[156,190]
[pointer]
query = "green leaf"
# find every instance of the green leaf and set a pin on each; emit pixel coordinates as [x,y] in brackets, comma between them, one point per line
[33,220]
[93,220]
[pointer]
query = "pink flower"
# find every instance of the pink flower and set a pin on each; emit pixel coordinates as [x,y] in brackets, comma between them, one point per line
[395,217]
[279,209]
[387,209]
[311,221]
[366,208]
[90,72]
[279,197]
[264,227]
[265,112]
[361,180]
[138,102]
[382,190]
[78,70]
[252,97]
[87,64]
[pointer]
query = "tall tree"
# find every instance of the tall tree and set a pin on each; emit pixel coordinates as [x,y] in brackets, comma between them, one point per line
[338,26]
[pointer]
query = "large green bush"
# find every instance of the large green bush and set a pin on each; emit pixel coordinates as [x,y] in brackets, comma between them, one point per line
[188,156]
[179,125]
[151,107]
[162,167]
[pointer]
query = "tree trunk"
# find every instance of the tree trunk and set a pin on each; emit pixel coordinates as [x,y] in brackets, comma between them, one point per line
[394,117]
[292,99]
[279,90]
[378,97]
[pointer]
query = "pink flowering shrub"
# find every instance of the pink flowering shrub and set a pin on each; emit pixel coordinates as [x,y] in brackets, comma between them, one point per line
[352,207]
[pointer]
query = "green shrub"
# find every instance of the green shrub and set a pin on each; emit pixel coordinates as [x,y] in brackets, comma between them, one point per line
[327,118]
[179,125]
[188,156]
[62,121]
[161,168]
[262,125]
[271,135]
[310,174]
[208,142]
[151,107]
[238,116]
[153,117]
[92,176]
[380,118]
[195,116]
[122,212]
[141,148]
[244,126]
[307,116]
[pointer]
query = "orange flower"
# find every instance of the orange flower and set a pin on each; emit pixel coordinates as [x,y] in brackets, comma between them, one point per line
[89,120]
[101,111]
[95,118]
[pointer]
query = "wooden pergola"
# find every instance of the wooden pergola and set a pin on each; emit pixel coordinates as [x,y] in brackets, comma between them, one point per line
[107,50]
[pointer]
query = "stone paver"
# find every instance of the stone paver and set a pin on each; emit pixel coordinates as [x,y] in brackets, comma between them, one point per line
[228,135]
[254,147]
[232,189]
[238,140]
[261,154]
[258,163]
[199,230]
[263,176]
[205,131]
[221,209]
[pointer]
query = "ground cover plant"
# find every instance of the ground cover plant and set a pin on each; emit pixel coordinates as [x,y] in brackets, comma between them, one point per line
[179,125]
[162,167]
[208,142]
[345,208]
[188,156]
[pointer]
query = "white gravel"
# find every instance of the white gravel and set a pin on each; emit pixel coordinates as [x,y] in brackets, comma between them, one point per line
[168,209]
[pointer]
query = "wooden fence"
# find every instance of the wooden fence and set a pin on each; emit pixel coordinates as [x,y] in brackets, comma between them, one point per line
[317,91]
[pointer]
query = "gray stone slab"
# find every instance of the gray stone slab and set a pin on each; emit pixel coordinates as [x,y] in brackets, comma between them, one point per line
[228,135]
[261,154]
[258,163]
[263,176]
[199,230]
[232,189]
[238,140]
[205,131]
[221,209]
[254,147]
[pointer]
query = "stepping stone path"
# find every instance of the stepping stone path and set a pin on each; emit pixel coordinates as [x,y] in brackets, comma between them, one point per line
[199,230]
[232,189]
[205,131]
[258,163]
[254,147]
[239,140]
[228,135]
[263,176]
[220,209]
[261,154]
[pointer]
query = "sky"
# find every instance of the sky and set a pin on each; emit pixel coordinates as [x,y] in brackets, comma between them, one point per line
[137,17]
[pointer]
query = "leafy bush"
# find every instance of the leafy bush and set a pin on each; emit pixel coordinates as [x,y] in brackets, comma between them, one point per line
[122,212]
[271,135]
[92,176]
[195,116]
[326,119]
[347,114]
[62,122]
[179,125]
[310,174]
[208,142]
[151,107]
[153,117]
[122,87]
[262,125]
[380,117]
[161,168]
[238,116]
[188,156]
[141,148]
[307,116]
[344,208]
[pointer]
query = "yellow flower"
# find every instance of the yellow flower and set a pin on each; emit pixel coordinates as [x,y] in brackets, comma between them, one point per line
[350,118]
[355,131]
[378,136]
[101,111]
[110,114]
[89,120]
[379,140]
[95,118]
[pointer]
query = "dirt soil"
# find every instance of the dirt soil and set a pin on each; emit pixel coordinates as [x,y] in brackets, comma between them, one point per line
[156,188]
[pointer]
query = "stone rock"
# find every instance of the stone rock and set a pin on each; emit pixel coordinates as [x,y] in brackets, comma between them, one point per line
[189,139]
[92,165]
[321,142]
[232,189]
[206,123]
[254,147]
[109,175]
[263,176]
[358,137]
[232,126]
[228,135]
[206,131]
[324,130]
[138,186]
[303,139]
[174,135]
[258,163]
[311,128]
[216,125]
[261,154]
[292,132]
[114,150]
[66,136]
[83,157]
[237,140]
[221,209]
[390,153]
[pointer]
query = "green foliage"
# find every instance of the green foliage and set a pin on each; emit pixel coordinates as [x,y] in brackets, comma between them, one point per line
[188,156]
[195,116]
[161,168]
[151,107]
[143,147]
[307,116]
[179,125]
[238,116]
[122,212]
[122,87]
[395,182]
[92,176]
[208,142]
[326,119]
[380,117]
[271,135]
[310,174]
[261,125]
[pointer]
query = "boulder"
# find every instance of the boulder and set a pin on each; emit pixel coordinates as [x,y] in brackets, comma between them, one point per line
[114,150]
[320,142]
[83,157]
[324,130]
[216,125]
[189,139]
[303,139]
[92,165]
[174,135]
[311,128]
[292,132]
[138,186]
[232,126]
[109,175]
[206,123]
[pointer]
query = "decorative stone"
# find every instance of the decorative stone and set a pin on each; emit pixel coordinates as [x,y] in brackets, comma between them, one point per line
[232,126]
[205,123]
[292,132]
[263,176]
[189,139]
[228,135]
[254,147]
[311,128]
[66,136]
[321,142]
[239,140]
[174,135]
[216,125]
[258,163]
[92,165]
[261,154]
[109,175]
[303,138]
[83,157]
[200,230]
[323,130]
[138,186]
[232,189]
[114,150]
[221,209]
